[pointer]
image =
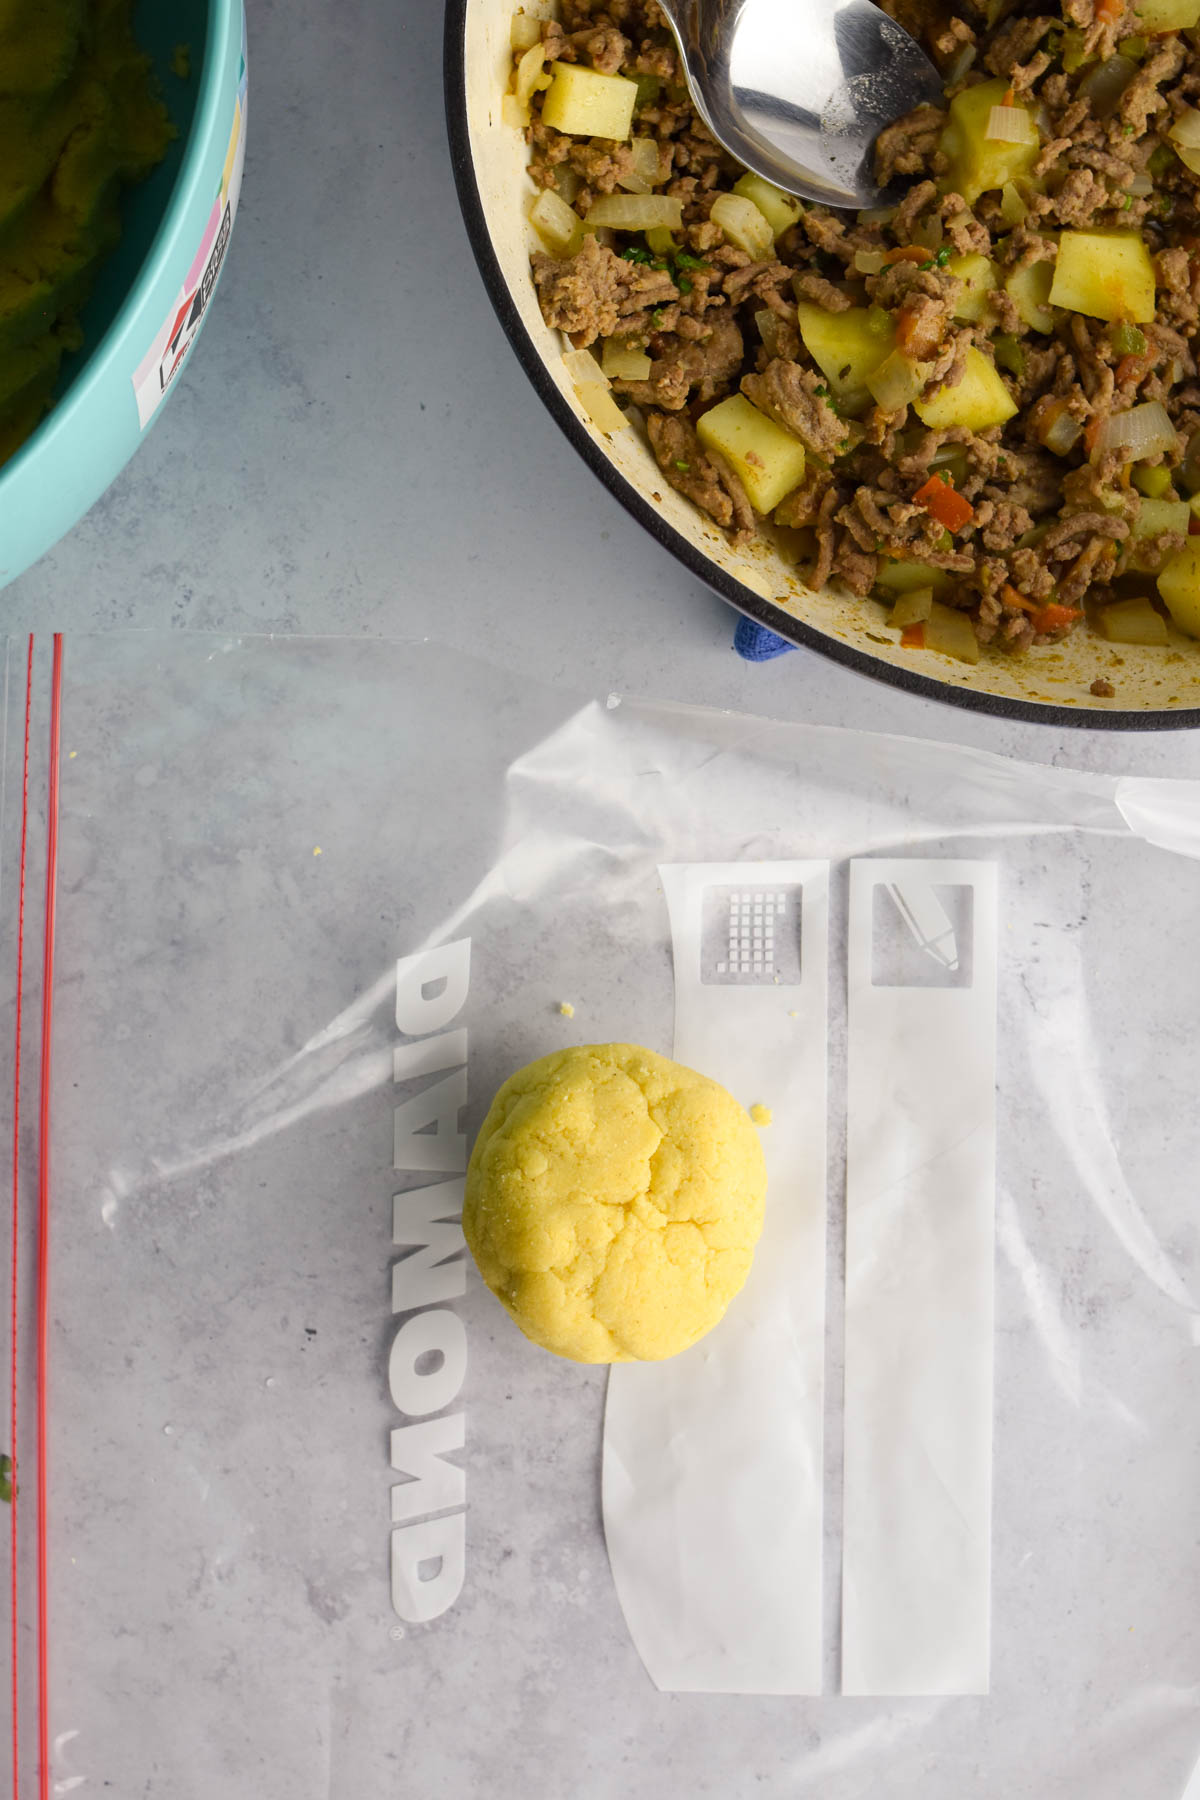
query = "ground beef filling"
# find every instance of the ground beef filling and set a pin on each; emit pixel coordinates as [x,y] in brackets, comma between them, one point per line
[1050,517]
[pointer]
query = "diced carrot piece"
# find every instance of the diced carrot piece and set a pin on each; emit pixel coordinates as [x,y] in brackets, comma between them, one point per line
[913,637]
[1052,617]
[907,253]
[1012,598]
[951,509]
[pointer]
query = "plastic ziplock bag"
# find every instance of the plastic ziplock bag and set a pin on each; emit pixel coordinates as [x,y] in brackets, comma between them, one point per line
[277,861]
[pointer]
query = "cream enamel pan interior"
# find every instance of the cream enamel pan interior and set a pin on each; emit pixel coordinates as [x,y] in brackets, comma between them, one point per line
[1155,687]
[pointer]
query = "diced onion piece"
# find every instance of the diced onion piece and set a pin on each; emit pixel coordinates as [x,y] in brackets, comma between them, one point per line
[1142,432]
[620,363]
[1189,157]
[951,633]
[1012,207]
[912,608]
[646,167]
[962,62]
[583,369]
[524,32]
[529,70]
[1186,129]
[1106,83]
[1140,186]
[1010,125]
[1063,433]
[567,182]
[1133,622]
[513,113]
[646,158]
[560,229]
[744,225]
[877,215]
[635,212]
[868,262]
[897,381]
[659,241]
[770,327]
[602,409]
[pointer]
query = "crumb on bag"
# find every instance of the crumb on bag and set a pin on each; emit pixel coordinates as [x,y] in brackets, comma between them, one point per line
[762,1115]
[566,1009]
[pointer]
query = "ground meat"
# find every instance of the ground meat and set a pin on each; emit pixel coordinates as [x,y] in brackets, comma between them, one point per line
[707,483]
[821,293]
[589,294]
[1102,688]
[605,49]
[700,369]
[799,400]
[908,147]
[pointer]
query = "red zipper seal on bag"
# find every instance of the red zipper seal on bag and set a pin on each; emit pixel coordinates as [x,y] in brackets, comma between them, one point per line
[43,1238]
[16,1239]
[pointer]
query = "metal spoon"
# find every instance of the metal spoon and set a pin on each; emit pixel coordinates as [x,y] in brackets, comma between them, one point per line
[798,90]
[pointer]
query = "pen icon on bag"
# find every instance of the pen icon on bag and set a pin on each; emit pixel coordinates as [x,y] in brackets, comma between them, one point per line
[927,920]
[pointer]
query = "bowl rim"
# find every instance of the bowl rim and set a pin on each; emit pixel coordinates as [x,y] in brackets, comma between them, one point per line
[736,593]
[224,21]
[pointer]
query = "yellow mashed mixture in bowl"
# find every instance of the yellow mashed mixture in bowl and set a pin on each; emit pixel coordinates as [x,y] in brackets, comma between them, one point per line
[122,136]
[81,118]
[613,1202]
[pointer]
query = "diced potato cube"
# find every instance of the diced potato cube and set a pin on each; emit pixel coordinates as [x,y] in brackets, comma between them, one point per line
[779,209]
[980,399]
[979,163]
[745,225]
[1105,274]
[1133,622]
[979,277]
[911,577]
[768,461]
[1179,585]
[1030,290]
[583,103]
[1167,15]
[1156,516]
[951,633]
[846,347]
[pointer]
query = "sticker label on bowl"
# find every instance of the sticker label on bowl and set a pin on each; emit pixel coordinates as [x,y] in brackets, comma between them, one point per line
[179,330]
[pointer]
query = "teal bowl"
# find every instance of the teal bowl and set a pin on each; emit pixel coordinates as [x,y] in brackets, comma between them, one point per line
[152,295]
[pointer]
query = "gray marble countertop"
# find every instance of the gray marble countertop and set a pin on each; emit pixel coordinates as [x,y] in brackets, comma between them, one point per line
[354,448]
[354,451]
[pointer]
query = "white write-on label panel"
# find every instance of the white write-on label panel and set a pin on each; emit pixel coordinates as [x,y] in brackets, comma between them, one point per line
[713,1459]
[920,1245]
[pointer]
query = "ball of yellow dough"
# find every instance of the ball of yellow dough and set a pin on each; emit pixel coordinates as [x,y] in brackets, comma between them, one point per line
[613,1202]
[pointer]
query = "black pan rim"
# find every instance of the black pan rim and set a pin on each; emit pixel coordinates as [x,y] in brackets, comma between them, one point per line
[743,599]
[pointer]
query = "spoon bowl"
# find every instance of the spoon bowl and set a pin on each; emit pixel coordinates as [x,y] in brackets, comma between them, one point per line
[799,93]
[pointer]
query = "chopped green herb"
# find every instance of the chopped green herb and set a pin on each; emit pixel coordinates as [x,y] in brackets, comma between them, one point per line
[821,392]
[6,1485]
[943,256]
[1126,203]
[685,260]
[656,317]
[636,253]
[843,446]
[1128,130]
[683,284]
[685,466]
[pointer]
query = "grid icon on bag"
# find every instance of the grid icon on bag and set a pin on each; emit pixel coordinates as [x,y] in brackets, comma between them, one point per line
[751,937]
